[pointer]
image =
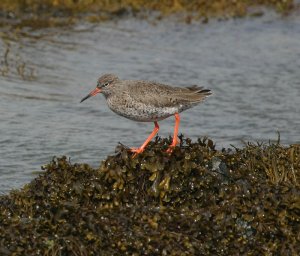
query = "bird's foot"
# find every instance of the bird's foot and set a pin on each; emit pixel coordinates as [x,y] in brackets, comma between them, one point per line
[170,149]
[136,151]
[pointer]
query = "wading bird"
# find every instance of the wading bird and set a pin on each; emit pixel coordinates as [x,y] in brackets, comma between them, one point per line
[147,101]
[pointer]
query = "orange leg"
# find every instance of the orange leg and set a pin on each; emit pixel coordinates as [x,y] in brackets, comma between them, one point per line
[175,140]
[141,148]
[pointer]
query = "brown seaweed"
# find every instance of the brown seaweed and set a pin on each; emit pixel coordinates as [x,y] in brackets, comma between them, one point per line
[47,13]
[196,201]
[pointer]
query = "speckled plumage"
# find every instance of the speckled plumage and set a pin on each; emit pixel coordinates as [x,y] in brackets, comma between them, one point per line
[147,101]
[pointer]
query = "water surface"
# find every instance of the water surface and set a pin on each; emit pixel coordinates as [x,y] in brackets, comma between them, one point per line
[251,65]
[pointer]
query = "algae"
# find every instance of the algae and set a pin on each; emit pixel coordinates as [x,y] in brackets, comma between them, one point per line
[39,13]
[13,63]
[196,201]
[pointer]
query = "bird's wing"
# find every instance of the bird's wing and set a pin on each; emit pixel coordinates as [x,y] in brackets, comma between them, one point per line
[156,94]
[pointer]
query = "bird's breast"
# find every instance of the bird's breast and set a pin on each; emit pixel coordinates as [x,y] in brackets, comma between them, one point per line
[139,111]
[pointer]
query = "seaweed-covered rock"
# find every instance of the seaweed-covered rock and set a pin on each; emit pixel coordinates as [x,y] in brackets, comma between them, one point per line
[196,201]
[48,13]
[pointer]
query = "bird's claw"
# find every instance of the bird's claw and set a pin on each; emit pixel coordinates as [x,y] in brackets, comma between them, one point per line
[170,149]
[136,151]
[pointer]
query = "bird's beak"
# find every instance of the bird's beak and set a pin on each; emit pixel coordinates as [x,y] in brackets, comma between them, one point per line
[92,93]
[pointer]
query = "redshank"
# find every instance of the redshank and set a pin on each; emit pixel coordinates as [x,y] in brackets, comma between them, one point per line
[147,101]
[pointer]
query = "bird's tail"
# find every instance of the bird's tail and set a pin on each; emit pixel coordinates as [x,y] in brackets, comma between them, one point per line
[197,94]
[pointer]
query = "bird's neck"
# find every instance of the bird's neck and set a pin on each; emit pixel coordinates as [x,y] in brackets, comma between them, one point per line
[106,93]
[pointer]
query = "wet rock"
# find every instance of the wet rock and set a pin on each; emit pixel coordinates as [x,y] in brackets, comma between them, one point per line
[198,200]
[49,12]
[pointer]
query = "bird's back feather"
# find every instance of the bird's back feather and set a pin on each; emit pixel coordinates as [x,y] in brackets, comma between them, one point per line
[160,95]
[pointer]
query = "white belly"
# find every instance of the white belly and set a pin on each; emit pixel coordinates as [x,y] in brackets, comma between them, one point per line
[145,114]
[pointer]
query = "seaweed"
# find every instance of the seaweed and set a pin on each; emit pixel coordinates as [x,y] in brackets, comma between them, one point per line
[44,13]
[196,201]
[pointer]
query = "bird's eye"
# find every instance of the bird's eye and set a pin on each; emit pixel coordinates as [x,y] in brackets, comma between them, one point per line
[106,84]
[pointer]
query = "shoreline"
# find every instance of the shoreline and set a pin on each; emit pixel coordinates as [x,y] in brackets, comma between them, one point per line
[196,200]
[49,13]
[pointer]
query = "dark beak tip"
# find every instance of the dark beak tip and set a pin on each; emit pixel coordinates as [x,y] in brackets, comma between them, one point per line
[92,93]
[86,97]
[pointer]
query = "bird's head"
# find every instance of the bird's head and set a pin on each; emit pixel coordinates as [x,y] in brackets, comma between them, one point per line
[103,85]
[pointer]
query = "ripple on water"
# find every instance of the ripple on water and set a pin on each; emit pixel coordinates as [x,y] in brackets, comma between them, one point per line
[252,66]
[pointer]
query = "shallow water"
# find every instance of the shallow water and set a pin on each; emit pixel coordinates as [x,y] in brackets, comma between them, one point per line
[251,65]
